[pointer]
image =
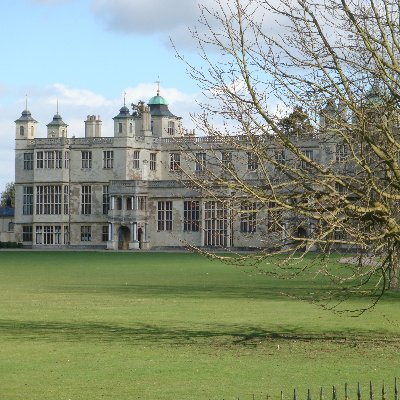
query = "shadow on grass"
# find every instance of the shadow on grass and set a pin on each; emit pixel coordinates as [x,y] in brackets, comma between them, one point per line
[218,334]
[280,291]
[311,292]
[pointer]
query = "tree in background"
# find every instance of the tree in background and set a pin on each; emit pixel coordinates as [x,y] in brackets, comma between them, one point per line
[282,75]
[8,195]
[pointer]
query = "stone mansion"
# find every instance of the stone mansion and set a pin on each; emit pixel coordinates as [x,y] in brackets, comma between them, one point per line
[122,191]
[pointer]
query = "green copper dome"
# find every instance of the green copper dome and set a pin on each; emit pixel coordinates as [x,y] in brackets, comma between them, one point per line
[375,96]
[157,100]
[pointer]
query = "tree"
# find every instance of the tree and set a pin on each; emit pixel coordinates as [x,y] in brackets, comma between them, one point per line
[8,195]
[335,63]
[296,124]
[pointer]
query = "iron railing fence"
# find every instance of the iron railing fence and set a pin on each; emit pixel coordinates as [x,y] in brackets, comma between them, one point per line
[372,393]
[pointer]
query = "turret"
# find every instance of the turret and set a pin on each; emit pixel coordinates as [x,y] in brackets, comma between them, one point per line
[328,115]
[57,128]
[163,122]
[26,126]
[375,98]
[124,123]
[93,126]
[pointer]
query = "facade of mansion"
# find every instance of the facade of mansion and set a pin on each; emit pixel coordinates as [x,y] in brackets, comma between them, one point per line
[124,190]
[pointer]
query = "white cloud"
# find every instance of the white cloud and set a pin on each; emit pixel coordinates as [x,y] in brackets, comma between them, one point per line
[76,97]
[167,20]
[143,16]
[144,91]
[175,18]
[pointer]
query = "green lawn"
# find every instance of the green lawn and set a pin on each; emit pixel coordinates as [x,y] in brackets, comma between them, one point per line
[97,325]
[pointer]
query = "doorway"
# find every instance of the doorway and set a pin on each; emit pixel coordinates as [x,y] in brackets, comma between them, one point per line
[123,238]
[140,237]
[301,233]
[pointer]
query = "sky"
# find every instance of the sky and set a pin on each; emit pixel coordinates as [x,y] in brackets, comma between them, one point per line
[86,54]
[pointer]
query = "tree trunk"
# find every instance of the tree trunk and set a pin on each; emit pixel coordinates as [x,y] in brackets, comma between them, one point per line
[393,279]
[393,271]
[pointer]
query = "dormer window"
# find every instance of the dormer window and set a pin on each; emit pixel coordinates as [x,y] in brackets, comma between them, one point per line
[21,131]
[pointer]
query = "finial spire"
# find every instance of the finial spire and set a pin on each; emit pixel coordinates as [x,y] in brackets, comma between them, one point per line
[158,85]
[57,106]
[26,102]
[124,99]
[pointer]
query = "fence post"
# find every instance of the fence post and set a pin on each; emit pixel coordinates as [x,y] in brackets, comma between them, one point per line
[358,391]
[321,394]
[308,395]
[334,393]
[371,393]
[346,395]
[396,391]
[383,391]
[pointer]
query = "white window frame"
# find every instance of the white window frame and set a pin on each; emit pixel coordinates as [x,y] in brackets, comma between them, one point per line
[153,161]
[48,199]
[164,216]
[201,162]
[108,159]
[86,233]
[171,128]
[136,159]
[28,161]
[86,200]
[86,159]
[174,161]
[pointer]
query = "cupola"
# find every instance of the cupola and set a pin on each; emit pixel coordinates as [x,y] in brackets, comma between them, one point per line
[57,128]
[159,106]
[25,126]
[163,122]
[124,122]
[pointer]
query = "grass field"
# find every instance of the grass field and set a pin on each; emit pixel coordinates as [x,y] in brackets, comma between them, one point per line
[97,325]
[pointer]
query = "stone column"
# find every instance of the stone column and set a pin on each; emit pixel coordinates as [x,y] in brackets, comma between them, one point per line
[110,231]
[123,206]
[112,244]
[228,229]
[134,244]
[202,224]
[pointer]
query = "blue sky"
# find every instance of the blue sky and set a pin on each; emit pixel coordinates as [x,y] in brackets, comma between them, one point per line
[86,54]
